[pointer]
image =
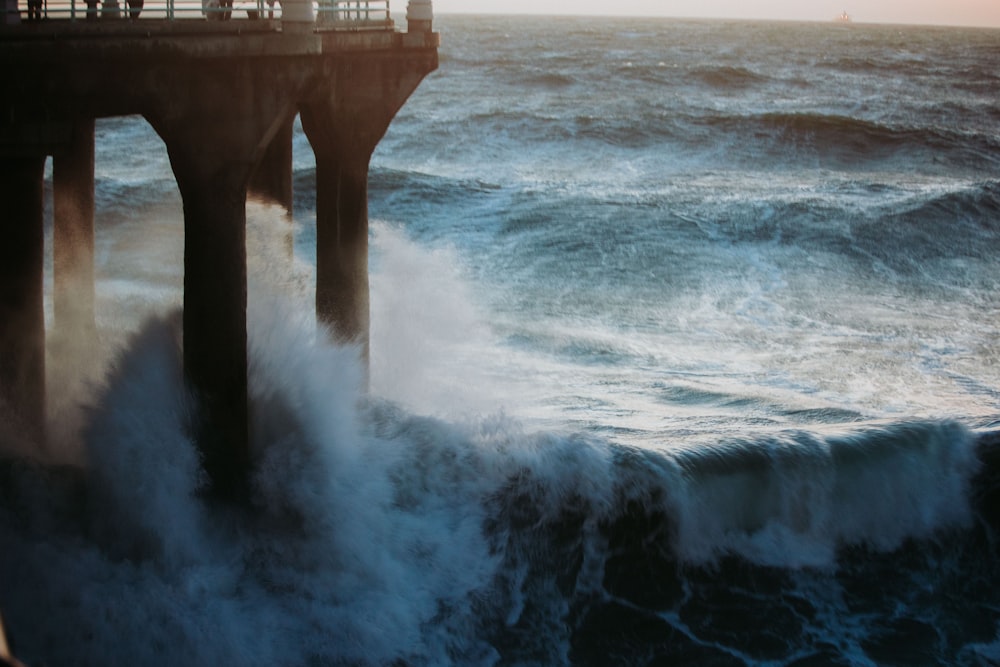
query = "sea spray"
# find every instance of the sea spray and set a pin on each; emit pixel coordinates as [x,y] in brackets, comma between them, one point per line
[377,535]
[432,346]
[143,465]
[329,564]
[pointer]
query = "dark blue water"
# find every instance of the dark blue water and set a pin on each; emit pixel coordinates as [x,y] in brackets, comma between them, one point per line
[684,334]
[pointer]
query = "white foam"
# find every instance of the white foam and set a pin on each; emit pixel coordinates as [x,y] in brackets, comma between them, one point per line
[796,499]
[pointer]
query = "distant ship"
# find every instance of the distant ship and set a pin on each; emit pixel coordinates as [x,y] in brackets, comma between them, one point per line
[844,17]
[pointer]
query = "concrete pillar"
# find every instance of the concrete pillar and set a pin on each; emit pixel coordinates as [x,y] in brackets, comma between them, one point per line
[272,179]
[216,127]
[343,141]
[73,233]
[342,246]
[344,121]
[215,332]
[213,190]
[22,314]
[212,173]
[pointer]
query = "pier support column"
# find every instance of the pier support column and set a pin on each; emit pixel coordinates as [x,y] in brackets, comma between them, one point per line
[22,314]
[215,331]
[73,233]
[342,246]
[343,149]
[344,121]
[212,162]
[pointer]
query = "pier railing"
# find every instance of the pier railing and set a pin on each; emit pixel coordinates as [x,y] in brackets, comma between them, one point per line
[335,14]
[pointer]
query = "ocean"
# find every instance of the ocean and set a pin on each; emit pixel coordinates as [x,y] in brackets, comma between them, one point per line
[684,334]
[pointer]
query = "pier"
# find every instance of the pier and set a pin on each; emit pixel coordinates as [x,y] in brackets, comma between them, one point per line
[221,84]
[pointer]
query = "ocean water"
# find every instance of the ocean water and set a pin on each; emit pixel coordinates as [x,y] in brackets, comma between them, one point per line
[684,339]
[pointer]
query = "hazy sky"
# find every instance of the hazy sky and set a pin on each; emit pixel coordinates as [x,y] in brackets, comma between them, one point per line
[944,12]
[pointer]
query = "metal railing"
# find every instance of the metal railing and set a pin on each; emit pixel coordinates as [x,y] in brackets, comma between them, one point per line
[336,14]
[353,13]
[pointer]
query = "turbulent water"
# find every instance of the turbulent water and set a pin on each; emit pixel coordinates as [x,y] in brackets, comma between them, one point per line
[683,335]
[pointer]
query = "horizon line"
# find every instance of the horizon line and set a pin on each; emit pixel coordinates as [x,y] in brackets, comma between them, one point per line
[638,15]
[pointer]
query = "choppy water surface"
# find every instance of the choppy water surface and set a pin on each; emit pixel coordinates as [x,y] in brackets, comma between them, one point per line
[682,336]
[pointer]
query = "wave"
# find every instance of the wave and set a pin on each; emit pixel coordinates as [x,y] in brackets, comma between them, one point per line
[980,80]
[684,395]
[847,138]
[547,79]
[128,563]
[899,66]
[956,229]
[392,188]
[376,536]
[726,76]
[781,139]
[974,207]
[702,557]
[905,231]
[786,136]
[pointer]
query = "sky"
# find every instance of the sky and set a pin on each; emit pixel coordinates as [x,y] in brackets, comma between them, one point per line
[984,13]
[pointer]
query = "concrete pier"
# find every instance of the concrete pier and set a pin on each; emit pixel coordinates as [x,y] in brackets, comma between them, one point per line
[223,97]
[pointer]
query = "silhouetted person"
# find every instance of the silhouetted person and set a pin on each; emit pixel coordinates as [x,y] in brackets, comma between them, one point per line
[92,14]
[34,10]
[134,8]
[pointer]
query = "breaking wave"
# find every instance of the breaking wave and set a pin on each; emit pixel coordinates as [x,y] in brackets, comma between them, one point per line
[377,536]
